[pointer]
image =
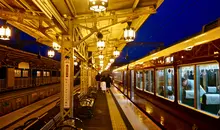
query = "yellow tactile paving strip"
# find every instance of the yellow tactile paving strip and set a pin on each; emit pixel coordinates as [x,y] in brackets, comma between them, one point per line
[117,121]
[136,117]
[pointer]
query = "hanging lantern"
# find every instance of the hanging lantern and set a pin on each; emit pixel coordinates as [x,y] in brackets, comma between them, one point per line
[75,63]
[51,53]
[116,53]
[56,46]
[101,56]
[101,62]
[98,5]
[5,33]
[129,34]
[112,60]
[74,57]
[100,45]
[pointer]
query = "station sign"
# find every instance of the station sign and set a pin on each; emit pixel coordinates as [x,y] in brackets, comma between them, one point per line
[67,83]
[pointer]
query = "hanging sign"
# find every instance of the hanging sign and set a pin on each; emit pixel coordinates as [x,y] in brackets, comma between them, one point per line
[67,83]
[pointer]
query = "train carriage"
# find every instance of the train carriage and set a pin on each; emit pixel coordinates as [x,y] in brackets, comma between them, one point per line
[182,79]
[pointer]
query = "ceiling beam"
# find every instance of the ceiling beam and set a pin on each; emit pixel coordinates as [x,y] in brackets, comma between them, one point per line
[23,15]
[8,6]
[136,13]
[135,4]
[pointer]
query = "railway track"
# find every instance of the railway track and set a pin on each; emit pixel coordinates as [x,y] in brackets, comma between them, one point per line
[19,117]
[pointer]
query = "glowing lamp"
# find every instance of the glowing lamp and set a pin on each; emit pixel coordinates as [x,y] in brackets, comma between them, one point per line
[5,33]
[51,53]
[112,60]
[56,46]
[116,53]
[100,45]
[129,34]
[98,5]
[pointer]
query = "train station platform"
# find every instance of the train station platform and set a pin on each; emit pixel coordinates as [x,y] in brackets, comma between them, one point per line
[113,111]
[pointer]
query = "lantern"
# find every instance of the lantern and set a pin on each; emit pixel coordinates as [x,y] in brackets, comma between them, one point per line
[51,53]
[129,34]
[112,60]
[75,63]
[56,46]
[98,5]
[116,53]
[101,56]
[5,33]
[100,45]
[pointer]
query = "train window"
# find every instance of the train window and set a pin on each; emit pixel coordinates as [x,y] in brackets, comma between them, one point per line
[169,83]
[44,73]
[186,85]
[149,81]
[208,88]
[118,76]
[139,81]
[48,73]
[125,79]
[17,73]
[160,82]
[38,73]
[25,73]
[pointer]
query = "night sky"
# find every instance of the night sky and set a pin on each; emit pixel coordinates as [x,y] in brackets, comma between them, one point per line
[174,21]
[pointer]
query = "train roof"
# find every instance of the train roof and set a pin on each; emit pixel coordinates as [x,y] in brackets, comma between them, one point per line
[202,38]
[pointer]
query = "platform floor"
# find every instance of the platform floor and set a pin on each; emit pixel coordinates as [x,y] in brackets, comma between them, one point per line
[113,111]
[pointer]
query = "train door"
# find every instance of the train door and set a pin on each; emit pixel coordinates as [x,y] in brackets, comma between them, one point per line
[125,83]
[131,92]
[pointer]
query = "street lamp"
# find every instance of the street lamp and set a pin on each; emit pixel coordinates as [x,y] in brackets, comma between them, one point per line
[5,32]
[56,46]
[116,53]
[98,5]
[51,53]
[100,45]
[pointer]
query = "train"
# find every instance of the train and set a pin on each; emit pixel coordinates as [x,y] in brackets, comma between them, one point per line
[25,78]
[182,79]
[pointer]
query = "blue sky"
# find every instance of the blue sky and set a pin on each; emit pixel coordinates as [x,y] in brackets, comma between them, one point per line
[174,21]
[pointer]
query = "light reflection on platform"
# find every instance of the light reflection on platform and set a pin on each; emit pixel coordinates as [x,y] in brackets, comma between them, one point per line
[137,118]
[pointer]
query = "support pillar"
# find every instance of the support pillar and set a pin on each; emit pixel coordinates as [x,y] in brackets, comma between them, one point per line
[67,74]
